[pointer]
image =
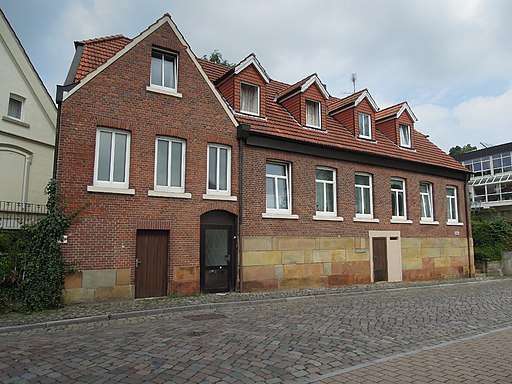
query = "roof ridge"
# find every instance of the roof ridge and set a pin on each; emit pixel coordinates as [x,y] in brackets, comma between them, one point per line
[102,39]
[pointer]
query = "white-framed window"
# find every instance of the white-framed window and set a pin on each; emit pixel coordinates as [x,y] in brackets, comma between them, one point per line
[278,187]
[364,199]
[451,205]
[112,158]
[365,126]
[405,136]
[325,192]
[313,116]
[164,70]
[398,199]
[170,164]
[426,202]
[250,99]
[219,170]
[15,108]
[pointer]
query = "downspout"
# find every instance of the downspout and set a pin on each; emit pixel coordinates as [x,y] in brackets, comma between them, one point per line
[468,224]
[59,98]
[243,132]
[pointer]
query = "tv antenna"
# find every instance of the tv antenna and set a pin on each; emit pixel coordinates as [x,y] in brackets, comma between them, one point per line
[353,78]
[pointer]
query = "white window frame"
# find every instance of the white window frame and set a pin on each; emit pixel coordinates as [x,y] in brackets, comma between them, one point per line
[362,188]
[362,134]
[325,183]
[395,195]
[21,100]
[287,177]
[162,60]
[111,183]
[257,113]
[427,196]
[168,188]
[403,142]
[319,111]
[217,191]
[452,217]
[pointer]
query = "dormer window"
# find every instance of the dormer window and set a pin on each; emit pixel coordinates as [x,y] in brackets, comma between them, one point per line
[405,136]
[164,70]
[313,114]
[250,99]
[365,126]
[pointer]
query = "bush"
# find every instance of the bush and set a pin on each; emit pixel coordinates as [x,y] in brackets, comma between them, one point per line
[31,268]
[491,237]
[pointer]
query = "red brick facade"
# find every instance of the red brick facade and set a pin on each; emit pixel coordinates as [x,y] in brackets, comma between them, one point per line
[117,96]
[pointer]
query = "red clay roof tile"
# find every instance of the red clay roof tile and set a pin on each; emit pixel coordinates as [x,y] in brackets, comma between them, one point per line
[97,51]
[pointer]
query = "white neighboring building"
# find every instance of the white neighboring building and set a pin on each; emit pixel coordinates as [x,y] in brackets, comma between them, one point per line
[28,118]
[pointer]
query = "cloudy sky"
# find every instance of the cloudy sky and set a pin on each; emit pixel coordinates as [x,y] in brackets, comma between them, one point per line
[450,59]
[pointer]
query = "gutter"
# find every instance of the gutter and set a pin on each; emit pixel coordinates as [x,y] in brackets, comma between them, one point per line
[468,224]
[58,98]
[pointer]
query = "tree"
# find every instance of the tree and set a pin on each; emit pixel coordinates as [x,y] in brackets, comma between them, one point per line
[457,150]
[216,57]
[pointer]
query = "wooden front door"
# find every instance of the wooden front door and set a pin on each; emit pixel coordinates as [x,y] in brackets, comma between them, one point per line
[380,259]
[151,263]
[218,256]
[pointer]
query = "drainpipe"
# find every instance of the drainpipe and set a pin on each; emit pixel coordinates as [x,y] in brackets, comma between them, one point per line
[468,222]
[58,98]
[243,132]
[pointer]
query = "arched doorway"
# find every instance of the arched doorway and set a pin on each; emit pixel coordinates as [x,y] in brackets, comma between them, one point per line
[218,252]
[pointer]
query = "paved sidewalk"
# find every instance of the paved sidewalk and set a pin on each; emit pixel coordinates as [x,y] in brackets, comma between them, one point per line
[100,311]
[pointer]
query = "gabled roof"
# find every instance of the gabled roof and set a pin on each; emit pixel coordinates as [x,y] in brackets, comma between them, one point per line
[252,60]
[213,70]
[95,52]
[339,105]
[165,19]
[13,45]
[395,112]
[302,86]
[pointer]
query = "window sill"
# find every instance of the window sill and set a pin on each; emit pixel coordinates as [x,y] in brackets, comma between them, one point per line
[175,195]
[429,222]
[15,121]
[279,216]
[119,191]
[170,92]
[207,196]
[327,218]
[365,220]
[454,223]
[400,221]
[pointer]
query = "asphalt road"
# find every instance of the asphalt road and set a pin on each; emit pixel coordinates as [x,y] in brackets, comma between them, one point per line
[459,333]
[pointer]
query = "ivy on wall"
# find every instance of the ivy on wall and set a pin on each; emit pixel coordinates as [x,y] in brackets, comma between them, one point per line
[491,237]
[31,268]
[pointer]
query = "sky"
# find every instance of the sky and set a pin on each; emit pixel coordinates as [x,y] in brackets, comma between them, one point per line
[451,60]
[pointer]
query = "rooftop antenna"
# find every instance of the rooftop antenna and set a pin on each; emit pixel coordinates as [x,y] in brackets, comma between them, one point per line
[353,78]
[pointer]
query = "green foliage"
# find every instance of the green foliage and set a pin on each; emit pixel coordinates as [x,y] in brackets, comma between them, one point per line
[216,57]
[491,237]
[458,150]
[31,268]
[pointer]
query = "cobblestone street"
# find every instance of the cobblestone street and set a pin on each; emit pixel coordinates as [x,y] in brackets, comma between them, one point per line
[448,333]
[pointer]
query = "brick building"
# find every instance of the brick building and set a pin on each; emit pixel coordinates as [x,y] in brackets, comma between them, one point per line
[196,177]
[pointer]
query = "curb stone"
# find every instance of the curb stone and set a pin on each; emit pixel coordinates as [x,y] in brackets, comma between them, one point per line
[229,304]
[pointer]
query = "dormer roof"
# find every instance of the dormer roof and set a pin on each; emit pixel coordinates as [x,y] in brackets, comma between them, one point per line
[351,101]
[395,111]
[302,86]
[252,60]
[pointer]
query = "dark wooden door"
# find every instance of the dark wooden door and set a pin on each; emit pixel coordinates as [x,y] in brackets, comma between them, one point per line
[151,263]
[380,259]
[217,257]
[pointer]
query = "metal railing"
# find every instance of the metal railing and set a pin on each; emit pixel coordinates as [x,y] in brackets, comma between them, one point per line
[13,214]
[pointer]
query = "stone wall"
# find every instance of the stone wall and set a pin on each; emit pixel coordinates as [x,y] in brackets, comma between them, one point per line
[273,262]
[98,285]
[506,263]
